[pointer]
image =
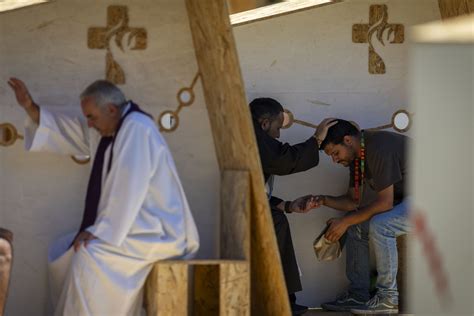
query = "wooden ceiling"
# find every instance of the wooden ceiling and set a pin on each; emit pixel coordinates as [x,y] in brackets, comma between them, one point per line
[272,10]
[7,5]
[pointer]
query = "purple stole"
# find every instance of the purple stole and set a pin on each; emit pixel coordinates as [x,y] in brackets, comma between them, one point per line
[95,180]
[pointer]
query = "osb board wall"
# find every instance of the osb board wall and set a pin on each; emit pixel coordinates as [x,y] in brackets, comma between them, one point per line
[309,63]
[41,195]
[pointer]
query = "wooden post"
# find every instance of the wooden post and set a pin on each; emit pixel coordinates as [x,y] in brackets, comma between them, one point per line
[235,215]
[236,146]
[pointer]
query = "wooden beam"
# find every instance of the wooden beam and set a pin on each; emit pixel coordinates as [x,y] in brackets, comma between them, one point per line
[453,8]
[235,144]
[235,215]
[8,5]
[241,5]
[277,9]
[456,31]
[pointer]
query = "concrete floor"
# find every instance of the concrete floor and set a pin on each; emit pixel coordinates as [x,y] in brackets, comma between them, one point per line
[321,312]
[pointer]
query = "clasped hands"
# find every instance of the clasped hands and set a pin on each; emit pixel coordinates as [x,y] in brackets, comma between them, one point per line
[305,203]
[337,226]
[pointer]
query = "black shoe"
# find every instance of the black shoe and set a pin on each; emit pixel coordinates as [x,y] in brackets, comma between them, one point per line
[298,309]
[377,305]
[343,303]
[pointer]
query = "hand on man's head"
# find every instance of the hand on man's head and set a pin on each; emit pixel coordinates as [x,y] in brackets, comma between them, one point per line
[323,127]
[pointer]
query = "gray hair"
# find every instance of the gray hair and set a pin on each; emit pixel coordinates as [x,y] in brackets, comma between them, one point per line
[104,92]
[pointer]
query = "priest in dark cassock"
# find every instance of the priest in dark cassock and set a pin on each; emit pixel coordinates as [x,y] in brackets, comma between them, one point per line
[136,212]
[282,159]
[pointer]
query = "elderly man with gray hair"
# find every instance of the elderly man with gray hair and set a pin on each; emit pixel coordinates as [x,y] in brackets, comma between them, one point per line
[135,213]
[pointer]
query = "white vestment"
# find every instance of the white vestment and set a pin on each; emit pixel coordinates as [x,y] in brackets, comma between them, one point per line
[143,216]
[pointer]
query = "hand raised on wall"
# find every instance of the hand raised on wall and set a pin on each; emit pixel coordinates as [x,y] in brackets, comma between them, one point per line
[24,98]
[22,95]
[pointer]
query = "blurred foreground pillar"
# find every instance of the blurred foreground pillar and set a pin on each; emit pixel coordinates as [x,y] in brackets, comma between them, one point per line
[441,82]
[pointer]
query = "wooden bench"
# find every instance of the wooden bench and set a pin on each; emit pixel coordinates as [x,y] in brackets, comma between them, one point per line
[199,287]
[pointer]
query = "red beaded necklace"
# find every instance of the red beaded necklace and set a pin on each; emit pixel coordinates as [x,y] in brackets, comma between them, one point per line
[359,160]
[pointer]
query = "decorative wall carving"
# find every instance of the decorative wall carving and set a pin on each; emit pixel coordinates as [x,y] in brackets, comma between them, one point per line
[169,120]
[362,33]
[117,29]
[401,121]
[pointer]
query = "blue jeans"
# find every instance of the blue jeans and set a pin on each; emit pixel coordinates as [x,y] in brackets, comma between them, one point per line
[382,230]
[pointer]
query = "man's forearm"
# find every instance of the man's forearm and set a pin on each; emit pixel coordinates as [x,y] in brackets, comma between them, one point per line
[365,213]
[340,203]
[33,112]
[281,206]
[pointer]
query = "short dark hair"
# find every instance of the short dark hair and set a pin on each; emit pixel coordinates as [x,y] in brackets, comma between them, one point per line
[265,108]
[337,132]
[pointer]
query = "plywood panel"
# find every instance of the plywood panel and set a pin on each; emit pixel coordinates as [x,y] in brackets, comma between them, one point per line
[166,290]
[206,290]
[235,289]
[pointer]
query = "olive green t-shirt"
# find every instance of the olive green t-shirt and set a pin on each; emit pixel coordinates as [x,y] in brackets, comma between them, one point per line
[386,163]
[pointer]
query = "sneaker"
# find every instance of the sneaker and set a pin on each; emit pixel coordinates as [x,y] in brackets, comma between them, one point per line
[298,309]
[376,305]
[343,303]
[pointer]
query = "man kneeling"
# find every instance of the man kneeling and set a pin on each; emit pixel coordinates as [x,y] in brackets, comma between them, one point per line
[380,160]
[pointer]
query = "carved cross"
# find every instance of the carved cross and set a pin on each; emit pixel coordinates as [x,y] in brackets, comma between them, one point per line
[362,33]
[117,26]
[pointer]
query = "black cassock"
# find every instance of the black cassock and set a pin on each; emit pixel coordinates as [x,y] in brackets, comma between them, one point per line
[282,159]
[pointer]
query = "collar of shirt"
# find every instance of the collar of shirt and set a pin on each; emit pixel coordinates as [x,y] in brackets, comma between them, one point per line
[125,108]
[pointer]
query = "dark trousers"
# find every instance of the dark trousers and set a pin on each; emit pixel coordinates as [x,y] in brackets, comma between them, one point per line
[287,252]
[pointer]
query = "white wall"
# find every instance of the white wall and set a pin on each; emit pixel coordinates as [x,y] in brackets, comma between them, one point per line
[41,195]
[306,58]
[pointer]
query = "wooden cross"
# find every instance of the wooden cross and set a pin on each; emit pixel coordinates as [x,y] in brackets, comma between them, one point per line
[362,33]
[117,26]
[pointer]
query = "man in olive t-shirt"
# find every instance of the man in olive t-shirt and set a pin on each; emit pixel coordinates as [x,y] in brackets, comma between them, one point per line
[379,160]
